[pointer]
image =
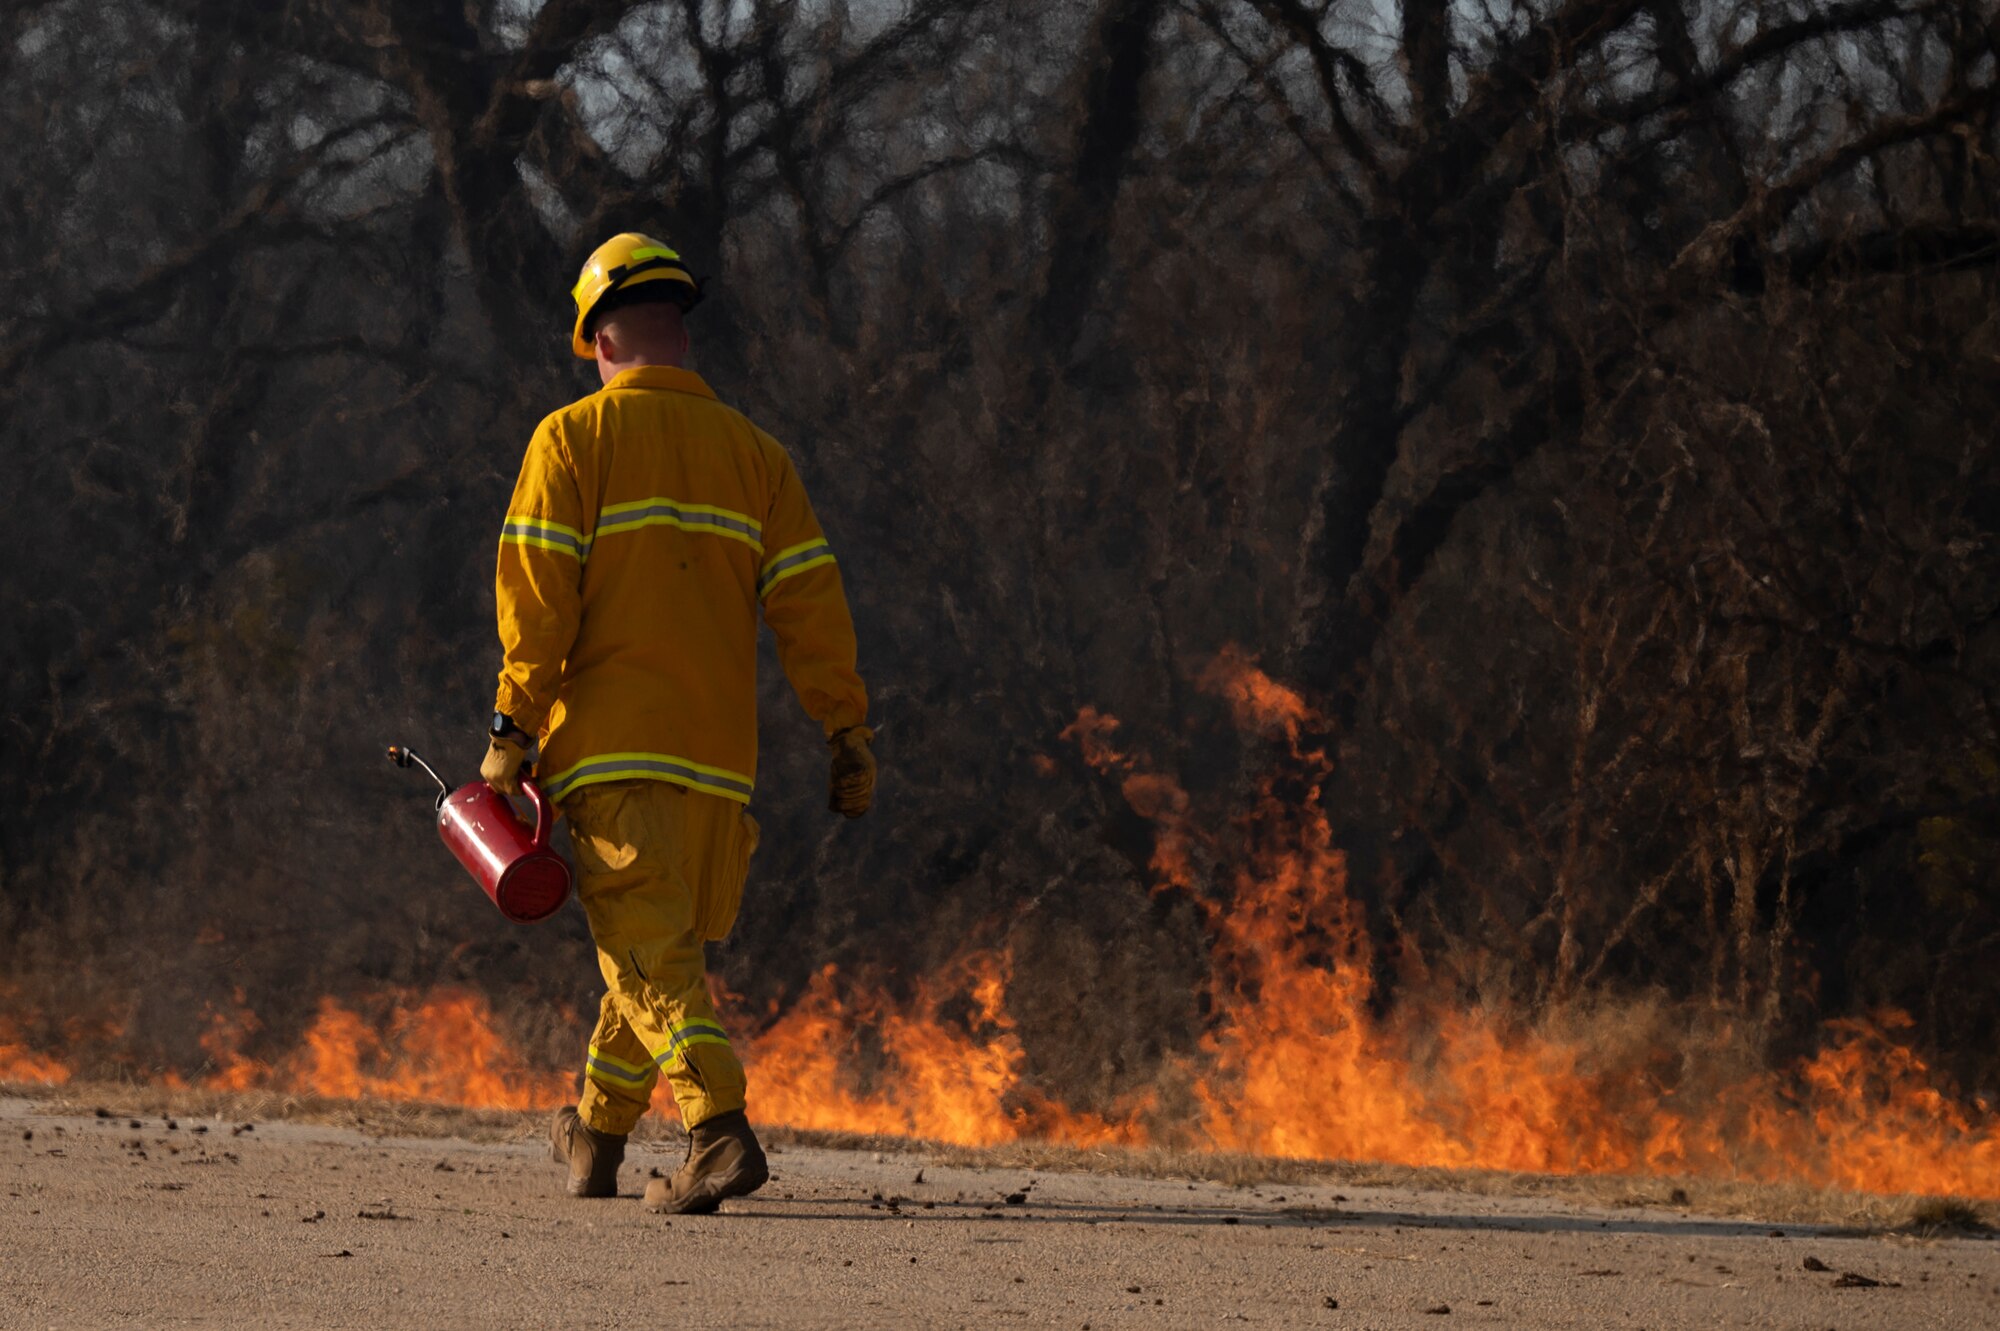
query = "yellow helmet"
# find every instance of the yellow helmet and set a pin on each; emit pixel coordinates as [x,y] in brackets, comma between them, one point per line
[619,264]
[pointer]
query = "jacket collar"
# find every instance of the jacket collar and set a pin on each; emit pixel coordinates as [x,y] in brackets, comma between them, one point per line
[660,376]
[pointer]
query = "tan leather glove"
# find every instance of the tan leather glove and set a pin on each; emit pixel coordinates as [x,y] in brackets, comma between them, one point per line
[504,759]
[851,788]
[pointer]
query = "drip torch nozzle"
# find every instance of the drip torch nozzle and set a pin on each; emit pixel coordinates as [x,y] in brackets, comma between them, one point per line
[404,757]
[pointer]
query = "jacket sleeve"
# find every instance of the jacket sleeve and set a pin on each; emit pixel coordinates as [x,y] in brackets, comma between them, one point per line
[806,607]
[538,580]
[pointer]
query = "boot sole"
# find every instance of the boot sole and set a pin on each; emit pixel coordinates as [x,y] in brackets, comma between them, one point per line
[745,1179]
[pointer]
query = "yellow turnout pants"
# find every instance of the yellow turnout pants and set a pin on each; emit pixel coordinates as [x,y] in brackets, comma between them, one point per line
[660,869]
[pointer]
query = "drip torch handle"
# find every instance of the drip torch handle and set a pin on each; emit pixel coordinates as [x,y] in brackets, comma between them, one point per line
[545,817]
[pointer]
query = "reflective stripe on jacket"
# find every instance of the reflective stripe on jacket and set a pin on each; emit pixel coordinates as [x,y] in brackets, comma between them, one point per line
[649,525]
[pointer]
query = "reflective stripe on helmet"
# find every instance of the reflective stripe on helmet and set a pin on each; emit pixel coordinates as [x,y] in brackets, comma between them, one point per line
[621,277]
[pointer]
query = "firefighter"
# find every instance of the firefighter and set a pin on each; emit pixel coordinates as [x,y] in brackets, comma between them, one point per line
[649,527]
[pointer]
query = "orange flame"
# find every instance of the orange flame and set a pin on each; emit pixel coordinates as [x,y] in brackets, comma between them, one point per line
[933,1078]
[21,1063]
[222,1043]
[24,1066]
[442,1048]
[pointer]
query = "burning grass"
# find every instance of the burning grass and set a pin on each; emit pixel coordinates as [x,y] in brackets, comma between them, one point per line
[1299,1061]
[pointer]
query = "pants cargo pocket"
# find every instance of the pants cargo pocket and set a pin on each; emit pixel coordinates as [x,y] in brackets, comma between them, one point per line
[604,832]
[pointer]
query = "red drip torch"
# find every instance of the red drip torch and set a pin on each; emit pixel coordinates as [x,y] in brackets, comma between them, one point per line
[510,859]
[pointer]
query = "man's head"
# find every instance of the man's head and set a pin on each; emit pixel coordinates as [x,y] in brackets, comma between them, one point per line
[639,288]
[648,331]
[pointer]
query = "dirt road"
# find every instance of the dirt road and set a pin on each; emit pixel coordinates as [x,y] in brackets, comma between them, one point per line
[155,1223]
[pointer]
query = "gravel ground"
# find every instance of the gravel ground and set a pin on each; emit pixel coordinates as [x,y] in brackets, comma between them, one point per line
[119,1221]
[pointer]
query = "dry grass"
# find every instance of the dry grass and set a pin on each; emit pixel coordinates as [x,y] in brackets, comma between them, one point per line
[1785,1203]
[1934,1217]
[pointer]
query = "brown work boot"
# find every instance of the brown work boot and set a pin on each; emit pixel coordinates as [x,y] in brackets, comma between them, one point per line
[593,1157]
[724,1160]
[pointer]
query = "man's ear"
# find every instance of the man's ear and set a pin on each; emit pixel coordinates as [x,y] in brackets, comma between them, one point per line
[607,349]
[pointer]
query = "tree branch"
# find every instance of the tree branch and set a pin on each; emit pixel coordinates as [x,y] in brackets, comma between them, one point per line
[1772,205]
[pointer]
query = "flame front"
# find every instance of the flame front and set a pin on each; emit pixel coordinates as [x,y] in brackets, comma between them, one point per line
[1301,1057]
[1299,1064]
[443,1047]
[955,1081]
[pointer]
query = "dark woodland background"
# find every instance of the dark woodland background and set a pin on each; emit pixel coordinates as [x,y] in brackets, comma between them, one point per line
[1591,404]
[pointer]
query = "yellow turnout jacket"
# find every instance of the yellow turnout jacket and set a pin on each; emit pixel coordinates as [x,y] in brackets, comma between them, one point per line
[649,525]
